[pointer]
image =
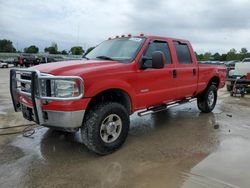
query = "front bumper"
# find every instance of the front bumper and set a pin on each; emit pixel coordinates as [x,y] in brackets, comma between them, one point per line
[65,120]
[34,111]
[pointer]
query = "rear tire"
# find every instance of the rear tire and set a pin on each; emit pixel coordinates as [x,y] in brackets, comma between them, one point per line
[105,127]
[207,101]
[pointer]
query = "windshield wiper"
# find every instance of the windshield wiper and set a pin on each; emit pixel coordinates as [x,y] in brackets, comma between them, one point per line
[85,57]
[105,57]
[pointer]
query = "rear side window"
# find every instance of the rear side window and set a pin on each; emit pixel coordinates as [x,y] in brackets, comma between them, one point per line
[159,46]
[183,53]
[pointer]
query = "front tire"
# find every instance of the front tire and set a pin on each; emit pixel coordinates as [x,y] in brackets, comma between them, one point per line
[207,101]
[105,127]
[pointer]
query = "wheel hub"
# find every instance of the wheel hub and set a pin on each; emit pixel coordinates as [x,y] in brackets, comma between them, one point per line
[110,128]
[210,98]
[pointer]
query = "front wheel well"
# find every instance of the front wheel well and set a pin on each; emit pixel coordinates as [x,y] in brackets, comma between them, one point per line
[112,95]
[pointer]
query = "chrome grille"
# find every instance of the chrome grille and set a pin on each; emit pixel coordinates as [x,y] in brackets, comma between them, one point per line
[33,84]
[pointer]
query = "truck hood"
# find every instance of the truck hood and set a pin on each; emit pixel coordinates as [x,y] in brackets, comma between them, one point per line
[77,68]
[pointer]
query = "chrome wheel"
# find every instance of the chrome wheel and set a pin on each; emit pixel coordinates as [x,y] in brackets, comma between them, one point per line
[111,128]
[210,99]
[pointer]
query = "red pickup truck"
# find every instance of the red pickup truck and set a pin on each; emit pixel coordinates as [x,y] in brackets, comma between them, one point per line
[117,78]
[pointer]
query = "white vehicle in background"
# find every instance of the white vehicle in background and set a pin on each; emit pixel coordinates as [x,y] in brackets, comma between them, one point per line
[3,64]
[241,69]
[241,73]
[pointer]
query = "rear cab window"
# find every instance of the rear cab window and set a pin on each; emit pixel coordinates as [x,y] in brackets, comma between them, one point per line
[182,52]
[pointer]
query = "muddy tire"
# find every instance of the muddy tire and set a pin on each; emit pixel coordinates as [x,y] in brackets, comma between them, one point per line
[207,101]
[105,127]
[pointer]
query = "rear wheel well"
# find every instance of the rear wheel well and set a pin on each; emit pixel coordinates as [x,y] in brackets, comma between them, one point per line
[214,81]
[112,95]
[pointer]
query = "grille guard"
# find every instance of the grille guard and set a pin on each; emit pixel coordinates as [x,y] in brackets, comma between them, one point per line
[36,90]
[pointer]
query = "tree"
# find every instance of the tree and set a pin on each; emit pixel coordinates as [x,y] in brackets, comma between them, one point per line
[243,51]
[243,54]
[53,49]
[77,50]
[217,57]
[223,57]
[199,57]
[31,49]
[6,46]
[207,56]
[89,50]
[232,55]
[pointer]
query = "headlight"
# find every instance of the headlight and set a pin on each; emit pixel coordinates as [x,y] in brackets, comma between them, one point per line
[64,88]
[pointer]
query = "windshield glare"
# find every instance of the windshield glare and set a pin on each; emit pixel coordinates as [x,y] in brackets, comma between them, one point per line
[120,49]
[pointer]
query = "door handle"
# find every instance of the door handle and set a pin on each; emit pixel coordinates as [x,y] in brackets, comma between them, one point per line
[194,72]
[174,72]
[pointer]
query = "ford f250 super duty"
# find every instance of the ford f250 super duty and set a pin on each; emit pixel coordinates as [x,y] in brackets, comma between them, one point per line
[117,78]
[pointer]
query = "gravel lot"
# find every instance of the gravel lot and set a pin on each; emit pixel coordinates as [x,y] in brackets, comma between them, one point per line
[178,148]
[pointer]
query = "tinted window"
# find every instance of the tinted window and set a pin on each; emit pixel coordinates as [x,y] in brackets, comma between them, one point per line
[159,46]
[183,53]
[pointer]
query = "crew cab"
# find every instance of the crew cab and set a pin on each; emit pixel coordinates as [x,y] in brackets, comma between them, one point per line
[120,76]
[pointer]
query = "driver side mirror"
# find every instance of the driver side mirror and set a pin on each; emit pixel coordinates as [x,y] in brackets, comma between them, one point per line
[157,61]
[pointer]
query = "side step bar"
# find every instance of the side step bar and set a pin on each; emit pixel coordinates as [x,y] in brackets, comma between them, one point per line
[163,107]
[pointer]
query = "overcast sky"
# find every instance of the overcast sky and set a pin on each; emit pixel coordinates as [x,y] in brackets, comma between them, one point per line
[211,25]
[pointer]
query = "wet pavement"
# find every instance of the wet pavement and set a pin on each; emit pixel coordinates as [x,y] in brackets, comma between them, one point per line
[177,148]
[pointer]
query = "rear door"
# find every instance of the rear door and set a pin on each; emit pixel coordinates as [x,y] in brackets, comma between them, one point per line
[156,86]
[186,71]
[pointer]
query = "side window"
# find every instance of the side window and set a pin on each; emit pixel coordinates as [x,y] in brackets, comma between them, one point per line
[183,53]
[158,46]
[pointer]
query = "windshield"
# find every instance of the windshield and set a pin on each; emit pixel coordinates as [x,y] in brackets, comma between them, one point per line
[120,49]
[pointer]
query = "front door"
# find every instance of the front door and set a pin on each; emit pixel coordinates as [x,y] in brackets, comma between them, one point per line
[156,86]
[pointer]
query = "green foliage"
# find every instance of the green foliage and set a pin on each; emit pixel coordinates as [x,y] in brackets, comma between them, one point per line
[217,57]
[77,50]
[31,49]
[243,51]
[231,55]
[207,56]
[53,49]
[223,57]
[6,46]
